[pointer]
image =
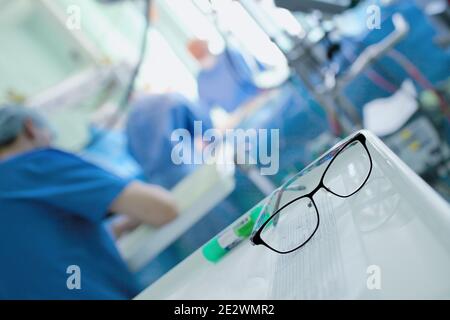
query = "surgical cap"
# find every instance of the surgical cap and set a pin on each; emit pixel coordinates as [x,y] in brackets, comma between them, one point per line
[12,119]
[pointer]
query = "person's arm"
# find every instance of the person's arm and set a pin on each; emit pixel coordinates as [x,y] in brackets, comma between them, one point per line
[149,204]
[123,225]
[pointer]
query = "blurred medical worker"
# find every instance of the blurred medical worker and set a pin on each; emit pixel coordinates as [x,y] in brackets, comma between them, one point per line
[52,204]
[151,122]
[224,80]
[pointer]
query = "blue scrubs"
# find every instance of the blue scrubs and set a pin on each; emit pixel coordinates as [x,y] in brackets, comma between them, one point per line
[228,83]
[149,128]
[150,125]
[52,205]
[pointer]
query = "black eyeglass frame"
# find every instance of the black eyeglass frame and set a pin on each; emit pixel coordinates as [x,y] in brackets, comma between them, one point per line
[256,238]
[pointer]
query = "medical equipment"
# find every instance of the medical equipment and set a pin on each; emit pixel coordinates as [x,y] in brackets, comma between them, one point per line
[231,237]
[308,59]
[132,82]
[439,11]
[413,126]
[69,77]
[326,6]
[58,71]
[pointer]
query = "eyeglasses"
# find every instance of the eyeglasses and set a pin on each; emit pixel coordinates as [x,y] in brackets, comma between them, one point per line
[293,224]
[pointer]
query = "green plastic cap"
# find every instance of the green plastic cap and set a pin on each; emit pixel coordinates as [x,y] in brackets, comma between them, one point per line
[212,251]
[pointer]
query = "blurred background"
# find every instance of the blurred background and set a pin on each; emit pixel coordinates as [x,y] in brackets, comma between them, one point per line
[315,70]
